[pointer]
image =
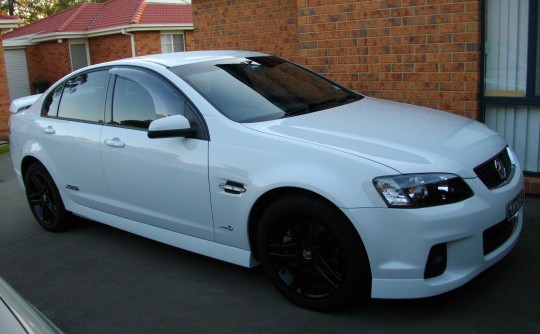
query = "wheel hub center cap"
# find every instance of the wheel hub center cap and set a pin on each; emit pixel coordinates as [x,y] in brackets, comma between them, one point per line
[307,253]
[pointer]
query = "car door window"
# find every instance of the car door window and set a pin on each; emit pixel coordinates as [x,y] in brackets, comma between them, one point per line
[50,107]
[82,98]
[141,97]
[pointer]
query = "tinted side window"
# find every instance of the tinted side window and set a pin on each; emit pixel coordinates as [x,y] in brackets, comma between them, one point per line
[50,107]
[132,104]
[141,97]
[83,97]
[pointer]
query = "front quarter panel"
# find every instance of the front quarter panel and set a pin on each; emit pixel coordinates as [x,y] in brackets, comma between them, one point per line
[261,163]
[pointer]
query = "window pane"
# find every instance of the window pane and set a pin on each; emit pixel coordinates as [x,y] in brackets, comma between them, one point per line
[50,108]
[166,39]
[172,43]
[79,56]
[84,97]
[166,48]
[506,47]
[178,40]
[141,97]
[132,104]
[166,43]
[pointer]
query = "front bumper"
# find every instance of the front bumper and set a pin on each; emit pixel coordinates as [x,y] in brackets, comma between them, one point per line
[398,241]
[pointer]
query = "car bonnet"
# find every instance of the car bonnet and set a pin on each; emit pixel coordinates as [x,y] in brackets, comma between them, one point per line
[407,138]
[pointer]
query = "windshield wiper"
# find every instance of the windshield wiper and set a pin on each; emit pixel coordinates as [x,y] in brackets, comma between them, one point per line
[312,106]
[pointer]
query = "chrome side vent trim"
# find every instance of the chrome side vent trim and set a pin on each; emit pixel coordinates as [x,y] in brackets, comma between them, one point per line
[232,187]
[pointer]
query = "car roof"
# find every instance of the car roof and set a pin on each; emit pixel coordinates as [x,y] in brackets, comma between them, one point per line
[191,57]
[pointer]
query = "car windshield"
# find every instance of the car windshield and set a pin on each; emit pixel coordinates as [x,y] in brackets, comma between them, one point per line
[255,89]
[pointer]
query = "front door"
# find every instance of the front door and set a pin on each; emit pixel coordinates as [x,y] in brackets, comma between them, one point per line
[161,182]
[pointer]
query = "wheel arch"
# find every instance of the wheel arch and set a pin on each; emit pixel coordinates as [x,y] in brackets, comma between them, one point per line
[27,161]
[267,198]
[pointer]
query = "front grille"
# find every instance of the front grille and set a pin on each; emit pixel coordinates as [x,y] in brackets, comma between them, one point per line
[497,171]
[497,235]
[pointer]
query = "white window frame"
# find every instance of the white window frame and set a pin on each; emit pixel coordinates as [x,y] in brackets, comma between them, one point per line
[171,44]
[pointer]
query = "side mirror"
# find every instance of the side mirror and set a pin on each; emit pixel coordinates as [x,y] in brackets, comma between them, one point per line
[172,126]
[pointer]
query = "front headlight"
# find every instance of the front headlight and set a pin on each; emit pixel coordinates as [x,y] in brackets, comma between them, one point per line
[422,190]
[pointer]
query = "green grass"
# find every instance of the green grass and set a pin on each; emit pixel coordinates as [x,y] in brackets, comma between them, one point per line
[4,149]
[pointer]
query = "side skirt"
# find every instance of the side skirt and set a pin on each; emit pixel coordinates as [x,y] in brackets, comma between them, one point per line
[208,248]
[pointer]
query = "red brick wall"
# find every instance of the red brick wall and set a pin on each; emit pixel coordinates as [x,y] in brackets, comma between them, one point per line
[148,43]
[4,96]
[266,26]
[48,61]
[425,52]
[188,39]
[108,48]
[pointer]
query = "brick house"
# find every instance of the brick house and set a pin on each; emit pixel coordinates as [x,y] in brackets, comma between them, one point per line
[91,33]
[6,23]
[476,58]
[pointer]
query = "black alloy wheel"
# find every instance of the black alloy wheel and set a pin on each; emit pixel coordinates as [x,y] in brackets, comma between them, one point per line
[312,254]
[44,199]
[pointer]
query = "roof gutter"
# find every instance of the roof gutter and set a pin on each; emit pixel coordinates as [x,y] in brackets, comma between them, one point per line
[133,53]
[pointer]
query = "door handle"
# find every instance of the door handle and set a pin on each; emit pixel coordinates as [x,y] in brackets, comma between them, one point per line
[115,142]
[49,130]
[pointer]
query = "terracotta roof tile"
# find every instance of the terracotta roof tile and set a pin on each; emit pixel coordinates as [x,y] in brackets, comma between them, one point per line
[117,13]
[162,13]
[88,17]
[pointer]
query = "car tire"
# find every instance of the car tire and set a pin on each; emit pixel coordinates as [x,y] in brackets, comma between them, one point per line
[312,253]
[44,199]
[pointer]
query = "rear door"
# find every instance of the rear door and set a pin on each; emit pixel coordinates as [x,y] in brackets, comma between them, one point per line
[71,123]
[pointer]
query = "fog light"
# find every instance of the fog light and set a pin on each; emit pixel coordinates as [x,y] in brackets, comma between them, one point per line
[436,262]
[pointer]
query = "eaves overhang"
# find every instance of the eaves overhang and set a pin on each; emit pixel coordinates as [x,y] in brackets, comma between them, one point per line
[10,24]
[36,38]
[130,28]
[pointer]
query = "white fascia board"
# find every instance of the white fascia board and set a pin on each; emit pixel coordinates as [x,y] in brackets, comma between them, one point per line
[139,27]
[57,36]
[32,39]
[10,24]
[18,42]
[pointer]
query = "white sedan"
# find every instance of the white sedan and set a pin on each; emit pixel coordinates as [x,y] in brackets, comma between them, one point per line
[250,159]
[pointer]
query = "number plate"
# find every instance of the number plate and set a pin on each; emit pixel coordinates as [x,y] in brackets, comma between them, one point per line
[513,207]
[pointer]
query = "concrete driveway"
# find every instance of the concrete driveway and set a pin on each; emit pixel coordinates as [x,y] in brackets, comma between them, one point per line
[96,279]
